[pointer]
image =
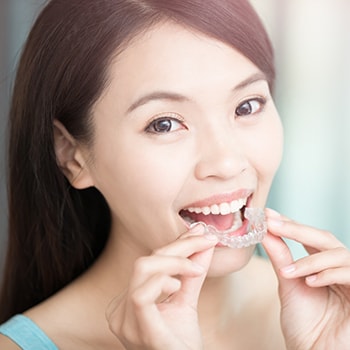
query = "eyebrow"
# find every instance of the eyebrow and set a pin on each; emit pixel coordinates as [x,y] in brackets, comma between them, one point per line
[259,76]
[158,95]
[173,96]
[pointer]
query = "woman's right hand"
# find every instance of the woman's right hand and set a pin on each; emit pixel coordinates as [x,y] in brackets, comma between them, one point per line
[159,308]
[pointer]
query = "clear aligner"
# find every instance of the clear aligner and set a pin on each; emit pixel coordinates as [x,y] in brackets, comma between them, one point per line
[257,229]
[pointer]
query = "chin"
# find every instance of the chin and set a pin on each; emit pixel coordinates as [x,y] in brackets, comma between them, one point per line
[229,260]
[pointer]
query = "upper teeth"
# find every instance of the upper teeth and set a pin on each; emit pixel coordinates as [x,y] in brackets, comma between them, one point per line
[222,208]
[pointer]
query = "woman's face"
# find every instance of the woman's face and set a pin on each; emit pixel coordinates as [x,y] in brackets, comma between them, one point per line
[187,122]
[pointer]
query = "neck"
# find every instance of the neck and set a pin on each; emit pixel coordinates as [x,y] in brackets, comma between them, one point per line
[215,306]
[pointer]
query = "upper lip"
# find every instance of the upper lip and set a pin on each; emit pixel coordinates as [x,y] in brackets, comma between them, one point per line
[220,198]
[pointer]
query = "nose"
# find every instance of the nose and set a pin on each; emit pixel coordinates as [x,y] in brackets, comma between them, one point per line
[221,155]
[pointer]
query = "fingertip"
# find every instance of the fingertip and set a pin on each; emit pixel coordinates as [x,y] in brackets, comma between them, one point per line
[310,280]
[200,229]
[274,219]
[211,238]
[197,268]
[270,240]
[272,213]
[274,222]
[197,228]
[175,284]
[288,271]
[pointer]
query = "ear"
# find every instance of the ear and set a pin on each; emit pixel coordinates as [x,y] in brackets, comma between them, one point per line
[70,158]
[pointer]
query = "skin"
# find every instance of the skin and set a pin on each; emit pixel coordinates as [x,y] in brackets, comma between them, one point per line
[158,284]
[181,167]
[315,290]
[163,173]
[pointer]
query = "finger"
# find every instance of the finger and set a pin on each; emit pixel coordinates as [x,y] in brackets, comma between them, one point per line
[313,264]
[196,229]
[330,277]
[137,316]
[273,214]
[146,306]
[306,235]
[172,260]
[145,267]
[280,256]
[278,252]
[191,286]
[189,243]
[155,290]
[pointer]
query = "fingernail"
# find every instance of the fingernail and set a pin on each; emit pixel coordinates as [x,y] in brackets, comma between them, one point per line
[272,213]
[288,269]
[197,227]
[311,279]
[211,237]
[274,222]
[198,268]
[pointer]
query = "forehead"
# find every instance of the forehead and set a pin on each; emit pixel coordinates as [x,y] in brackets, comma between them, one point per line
[171,57]
[167,45]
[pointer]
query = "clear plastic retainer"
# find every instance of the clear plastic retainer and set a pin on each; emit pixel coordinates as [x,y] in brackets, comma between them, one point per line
[257,229]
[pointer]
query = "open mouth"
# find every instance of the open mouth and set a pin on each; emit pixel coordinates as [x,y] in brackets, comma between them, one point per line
[235,224]
[226,218]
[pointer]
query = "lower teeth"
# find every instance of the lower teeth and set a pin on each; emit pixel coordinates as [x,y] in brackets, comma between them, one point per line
[257,229]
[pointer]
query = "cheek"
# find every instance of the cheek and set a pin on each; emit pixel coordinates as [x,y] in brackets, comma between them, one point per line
[130,179]
[269,148]
[275,143]
[141,189]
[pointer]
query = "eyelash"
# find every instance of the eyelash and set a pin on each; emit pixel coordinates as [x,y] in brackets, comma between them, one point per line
[261,100]
[168,117]
[173,117]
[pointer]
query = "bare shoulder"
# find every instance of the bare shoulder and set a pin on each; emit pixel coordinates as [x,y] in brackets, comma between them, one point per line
[73,319]
[7,344]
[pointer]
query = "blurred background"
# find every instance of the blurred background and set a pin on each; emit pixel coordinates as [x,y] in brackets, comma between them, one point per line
[312,45]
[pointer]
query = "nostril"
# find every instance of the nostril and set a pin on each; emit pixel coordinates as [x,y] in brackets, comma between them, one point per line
[222,167]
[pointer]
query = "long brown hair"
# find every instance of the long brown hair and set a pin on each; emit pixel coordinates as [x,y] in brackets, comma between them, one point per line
[55,231]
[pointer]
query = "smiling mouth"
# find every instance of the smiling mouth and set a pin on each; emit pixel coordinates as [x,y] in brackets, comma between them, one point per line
[235,224]
[226,218]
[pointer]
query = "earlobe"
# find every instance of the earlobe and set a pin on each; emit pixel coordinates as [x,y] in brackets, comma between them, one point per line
[70,158]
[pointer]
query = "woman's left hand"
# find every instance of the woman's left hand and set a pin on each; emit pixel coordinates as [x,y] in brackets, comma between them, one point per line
[314,290]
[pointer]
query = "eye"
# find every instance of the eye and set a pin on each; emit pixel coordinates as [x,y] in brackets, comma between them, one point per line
[249,107]
[165,124]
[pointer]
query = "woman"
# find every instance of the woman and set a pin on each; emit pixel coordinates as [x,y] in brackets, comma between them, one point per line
[132,120]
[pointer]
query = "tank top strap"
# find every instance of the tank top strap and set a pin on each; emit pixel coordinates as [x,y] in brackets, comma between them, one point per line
[26,334]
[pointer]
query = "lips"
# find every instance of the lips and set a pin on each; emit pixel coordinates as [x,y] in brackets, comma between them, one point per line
[223,215]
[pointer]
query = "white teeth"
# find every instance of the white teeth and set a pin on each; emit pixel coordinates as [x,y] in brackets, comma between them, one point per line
[215,209]
[221,208]
[225,208]
[206,210]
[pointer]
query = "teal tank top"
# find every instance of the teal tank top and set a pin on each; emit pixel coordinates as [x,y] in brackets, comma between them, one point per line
[26,334]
